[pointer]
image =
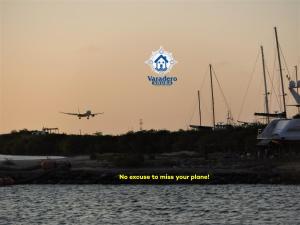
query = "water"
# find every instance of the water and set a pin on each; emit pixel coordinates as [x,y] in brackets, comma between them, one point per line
[148,204]
[27,157]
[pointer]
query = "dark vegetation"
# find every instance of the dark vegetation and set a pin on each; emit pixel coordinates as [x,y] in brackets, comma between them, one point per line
[230,156]
[234,139]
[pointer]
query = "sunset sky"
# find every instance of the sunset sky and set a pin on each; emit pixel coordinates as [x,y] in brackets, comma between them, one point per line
[60,55]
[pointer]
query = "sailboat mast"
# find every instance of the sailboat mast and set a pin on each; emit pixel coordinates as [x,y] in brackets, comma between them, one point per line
[212,95]
[265,83]
[296,73]
[200,123]
[280,69]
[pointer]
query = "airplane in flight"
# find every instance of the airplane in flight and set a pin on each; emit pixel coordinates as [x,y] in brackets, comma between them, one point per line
[87,114]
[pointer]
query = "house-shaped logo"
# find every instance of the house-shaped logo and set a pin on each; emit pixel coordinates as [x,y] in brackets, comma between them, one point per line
[161,61]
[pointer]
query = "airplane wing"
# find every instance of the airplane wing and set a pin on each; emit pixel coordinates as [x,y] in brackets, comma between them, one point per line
[97,113]
[73,114]
[297,105]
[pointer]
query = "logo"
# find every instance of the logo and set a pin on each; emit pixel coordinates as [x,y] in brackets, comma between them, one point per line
[161,62]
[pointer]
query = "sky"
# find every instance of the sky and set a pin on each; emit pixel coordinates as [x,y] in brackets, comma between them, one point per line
[63,55]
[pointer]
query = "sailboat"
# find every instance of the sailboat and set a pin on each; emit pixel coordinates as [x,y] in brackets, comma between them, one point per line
[200,126]
[267,114]
[214,126]
[282,129]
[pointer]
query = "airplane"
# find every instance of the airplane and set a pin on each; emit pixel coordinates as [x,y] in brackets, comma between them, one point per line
[87,114]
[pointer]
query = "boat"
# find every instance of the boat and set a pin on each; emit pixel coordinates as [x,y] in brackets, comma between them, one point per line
[215,126]
[283,132]
[200,126]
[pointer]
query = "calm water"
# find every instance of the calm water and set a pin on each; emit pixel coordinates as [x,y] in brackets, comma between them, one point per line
[27,157]
[174,204]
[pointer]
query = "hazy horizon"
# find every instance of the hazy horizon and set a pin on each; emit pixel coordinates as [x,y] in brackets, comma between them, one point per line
[60,55]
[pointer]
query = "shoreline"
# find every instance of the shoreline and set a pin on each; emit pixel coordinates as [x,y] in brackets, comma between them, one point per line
[163,169]
[111,176]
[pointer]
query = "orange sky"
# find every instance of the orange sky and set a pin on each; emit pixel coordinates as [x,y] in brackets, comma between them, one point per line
[61,55]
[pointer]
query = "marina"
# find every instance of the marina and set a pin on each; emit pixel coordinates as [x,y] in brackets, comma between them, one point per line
[149,112]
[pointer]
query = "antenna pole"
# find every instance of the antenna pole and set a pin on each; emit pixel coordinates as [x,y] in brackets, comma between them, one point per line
[199,104]
[280,69]
[265,82]
[141,124]
[212,95]
[229,118]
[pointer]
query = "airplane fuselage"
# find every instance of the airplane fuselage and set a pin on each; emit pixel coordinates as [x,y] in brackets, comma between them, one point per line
[87,114]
